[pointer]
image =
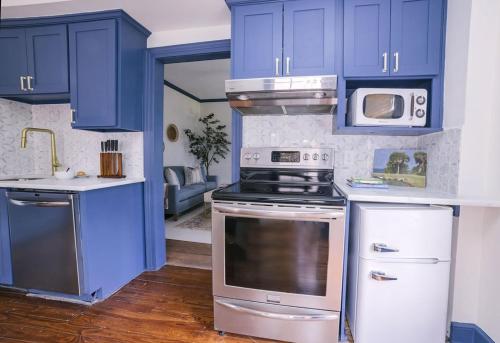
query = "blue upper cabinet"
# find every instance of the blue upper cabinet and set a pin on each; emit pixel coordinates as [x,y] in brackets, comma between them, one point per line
[93,57]
[34,61]
[257,40]
[392,37]
[309,37]
[107,74]
[416,27]
[367,27]
[47,49]
[13,61]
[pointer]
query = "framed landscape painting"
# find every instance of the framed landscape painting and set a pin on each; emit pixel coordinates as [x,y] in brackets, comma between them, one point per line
[401,167]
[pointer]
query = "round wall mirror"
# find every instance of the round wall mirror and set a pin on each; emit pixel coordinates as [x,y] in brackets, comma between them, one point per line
[172,133]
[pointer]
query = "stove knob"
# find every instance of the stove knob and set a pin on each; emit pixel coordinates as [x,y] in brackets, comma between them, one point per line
[306,157]
[248,156]
[315,156]
[324,157]
[256,156]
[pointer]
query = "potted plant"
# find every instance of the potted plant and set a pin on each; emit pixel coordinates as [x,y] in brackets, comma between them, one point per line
[211,144]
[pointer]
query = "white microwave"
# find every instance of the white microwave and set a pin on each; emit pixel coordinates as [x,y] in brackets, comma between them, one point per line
[387,107]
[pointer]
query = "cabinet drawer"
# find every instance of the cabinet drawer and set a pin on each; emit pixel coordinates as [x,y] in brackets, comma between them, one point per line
[410,309]
[285,323]
[412,231]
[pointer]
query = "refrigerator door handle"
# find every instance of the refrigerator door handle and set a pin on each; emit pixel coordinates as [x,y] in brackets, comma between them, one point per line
[381,276]
[381,247]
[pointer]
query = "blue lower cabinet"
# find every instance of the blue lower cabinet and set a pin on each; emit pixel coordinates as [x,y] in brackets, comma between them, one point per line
[13,62]
[107,75]
[109,239]
[309,29]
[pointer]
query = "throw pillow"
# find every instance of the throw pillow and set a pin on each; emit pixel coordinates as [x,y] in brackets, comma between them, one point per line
[193,175]
[172,178]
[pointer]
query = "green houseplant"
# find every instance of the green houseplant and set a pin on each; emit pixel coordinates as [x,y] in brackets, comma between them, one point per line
[211,144]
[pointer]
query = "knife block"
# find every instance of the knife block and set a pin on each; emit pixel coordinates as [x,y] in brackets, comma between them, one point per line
[111,165]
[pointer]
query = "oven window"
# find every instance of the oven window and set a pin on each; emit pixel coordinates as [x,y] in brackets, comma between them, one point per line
[383,106]
[277,255]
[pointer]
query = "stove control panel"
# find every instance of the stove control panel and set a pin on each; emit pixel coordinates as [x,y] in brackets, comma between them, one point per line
[318,158]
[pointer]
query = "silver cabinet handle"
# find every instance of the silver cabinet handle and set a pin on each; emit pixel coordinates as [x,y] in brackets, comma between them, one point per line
[381,276]
[381,247]
[73,120]
[288,65]
[385,62]
[282,316]
[396,63]
[22,79]
[29,78]
[277,66]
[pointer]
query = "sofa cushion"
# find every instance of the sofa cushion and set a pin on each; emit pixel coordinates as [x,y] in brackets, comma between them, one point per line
[190,191]
[171,178]
[179,171]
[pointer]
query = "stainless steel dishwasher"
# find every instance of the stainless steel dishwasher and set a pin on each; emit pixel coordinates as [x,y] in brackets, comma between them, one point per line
[44,239]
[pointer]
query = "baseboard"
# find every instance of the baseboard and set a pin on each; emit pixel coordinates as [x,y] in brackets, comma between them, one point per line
[468,333]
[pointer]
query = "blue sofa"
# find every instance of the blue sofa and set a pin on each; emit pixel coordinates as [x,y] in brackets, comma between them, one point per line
[178,200]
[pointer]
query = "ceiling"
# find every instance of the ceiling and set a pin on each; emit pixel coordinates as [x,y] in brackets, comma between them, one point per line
[203,79]
[155,15]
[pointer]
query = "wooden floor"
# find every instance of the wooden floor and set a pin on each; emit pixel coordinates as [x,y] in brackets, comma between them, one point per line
[171,305]
[189,254]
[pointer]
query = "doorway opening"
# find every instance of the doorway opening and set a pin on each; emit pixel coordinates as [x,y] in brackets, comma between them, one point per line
[184,94]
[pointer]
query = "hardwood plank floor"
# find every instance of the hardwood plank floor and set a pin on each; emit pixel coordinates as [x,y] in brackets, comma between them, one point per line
[189,254]
[170,305]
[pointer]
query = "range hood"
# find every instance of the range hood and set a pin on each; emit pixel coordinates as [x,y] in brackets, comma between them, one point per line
[283,95]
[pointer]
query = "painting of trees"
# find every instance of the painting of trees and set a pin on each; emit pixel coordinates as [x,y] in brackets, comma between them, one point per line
[398,163]
[420,158]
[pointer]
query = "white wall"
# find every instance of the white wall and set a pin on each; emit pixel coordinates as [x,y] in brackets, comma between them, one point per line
[194,35]
[184,112]
[224,114]
[472,88]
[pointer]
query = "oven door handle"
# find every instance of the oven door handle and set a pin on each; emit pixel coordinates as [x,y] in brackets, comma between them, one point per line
[281,316]
[279,214]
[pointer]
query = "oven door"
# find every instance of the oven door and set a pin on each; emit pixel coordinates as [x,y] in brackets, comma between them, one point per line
[278,254]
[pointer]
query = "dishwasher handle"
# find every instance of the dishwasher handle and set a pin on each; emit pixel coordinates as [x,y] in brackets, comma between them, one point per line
[40,203]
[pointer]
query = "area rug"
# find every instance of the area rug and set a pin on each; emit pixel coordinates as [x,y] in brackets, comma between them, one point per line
[200,221]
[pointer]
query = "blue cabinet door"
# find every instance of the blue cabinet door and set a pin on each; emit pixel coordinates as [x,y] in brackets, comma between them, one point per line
[367,26]
[416,27]
[257,40]
[309,37]
[47,48]
[93,69]
[13,61]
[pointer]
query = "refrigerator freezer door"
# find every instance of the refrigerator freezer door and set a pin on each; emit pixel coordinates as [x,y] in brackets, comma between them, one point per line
[401,302]
[405,232]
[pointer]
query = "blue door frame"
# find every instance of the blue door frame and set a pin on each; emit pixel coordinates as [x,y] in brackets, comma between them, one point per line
[153,136]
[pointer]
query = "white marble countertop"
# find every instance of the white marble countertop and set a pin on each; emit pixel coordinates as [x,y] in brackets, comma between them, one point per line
[410,195]
[76,184]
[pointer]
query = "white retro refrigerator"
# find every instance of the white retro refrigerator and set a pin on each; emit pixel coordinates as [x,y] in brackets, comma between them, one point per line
[399,270]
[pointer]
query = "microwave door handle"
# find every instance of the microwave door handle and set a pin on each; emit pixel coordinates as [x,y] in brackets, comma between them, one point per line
[412,108]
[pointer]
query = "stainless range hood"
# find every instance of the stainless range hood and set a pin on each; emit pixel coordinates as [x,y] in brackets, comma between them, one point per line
[283,95]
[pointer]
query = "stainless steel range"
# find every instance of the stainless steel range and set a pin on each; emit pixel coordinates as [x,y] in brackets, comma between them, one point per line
[278,247]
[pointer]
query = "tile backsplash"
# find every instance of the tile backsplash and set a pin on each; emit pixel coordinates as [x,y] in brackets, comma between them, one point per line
[77,149]
[14,116]
[354,153]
